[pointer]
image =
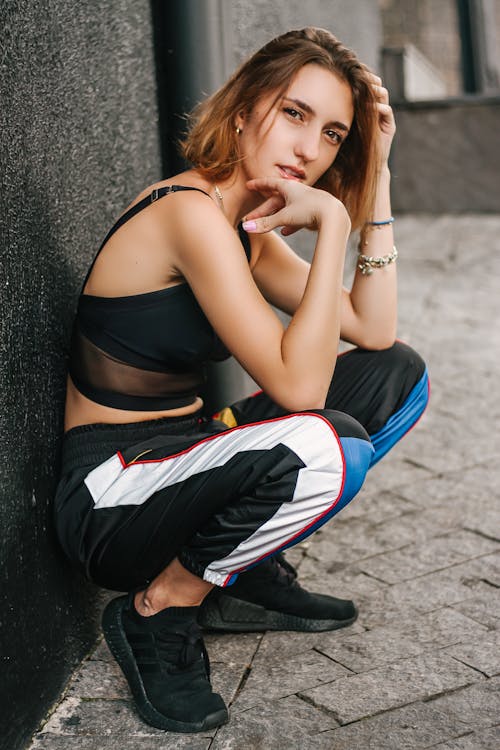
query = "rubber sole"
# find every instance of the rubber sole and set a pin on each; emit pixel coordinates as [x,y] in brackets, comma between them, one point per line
[116,639]
[228,614]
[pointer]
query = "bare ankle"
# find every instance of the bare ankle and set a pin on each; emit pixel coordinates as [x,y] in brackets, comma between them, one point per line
[174,587]
[144,606]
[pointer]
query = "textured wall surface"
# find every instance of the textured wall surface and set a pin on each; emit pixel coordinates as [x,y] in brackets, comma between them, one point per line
[357,24]
[446,157]
[433,28]
[79,139]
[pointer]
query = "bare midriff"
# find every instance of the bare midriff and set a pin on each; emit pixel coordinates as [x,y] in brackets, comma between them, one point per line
[81,411]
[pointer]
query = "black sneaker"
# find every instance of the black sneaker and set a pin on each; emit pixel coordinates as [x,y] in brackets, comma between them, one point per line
[268,597]
[166,665]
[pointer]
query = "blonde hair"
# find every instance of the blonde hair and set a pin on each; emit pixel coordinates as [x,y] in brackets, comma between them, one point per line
[211,143]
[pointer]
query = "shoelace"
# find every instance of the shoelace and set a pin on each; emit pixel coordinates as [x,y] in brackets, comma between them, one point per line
[191,647]
[286,566]
[280,571]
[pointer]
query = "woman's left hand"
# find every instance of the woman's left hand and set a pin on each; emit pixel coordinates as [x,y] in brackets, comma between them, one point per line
[386,122]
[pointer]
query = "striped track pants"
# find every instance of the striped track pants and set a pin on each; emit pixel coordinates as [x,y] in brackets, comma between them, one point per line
[223,494]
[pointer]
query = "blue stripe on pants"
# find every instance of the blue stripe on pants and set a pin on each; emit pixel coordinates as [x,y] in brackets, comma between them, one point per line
[402,421]
[357,456]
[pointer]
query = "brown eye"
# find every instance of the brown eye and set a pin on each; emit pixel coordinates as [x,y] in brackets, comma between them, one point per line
[294,113]
[335,137]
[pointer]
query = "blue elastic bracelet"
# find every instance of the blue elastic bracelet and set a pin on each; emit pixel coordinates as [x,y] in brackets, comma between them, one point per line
[390,220]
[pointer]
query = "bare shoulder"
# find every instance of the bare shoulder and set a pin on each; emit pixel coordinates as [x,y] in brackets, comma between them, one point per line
[199,233]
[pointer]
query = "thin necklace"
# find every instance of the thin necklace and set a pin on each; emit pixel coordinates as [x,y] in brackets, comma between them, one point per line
[219,197]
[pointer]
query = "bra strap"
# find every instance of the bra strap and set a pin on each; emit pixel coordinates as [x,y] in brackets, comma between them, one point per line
[136,208]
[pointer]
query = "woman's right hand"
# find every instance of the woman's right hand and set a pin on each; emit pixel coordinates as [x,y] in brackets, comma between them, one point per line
[291,205]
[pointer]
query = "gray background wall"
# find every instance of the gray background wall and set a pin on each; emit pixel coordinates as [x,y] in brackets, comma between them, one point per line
[256,22]
[79,139]
[446,156]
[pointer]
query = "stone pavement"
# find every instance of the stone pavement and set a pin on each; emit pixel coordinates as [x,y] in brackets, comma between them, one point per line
[417,550]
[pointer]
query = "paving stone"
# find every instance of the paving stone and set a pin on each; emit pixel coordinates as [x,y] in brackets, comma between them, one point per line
[413,727]
[311,719]
[399,471]
[482,653]
[358,539]
[437,448]
[167,741]
[262,729]
[436,554]
[99,679]
[432,591]
[102,718]
[230,656]
[376,507]
[338,579]
[470,503]
[226,680]
[430,521]
[487,739]
[231,648]
[404,639]
[475,706]
[487,569]
[283,645]
[273,679]
[354,697]
[295,554]
[372,649]
[453,487]
[273,725]
[484,608]
[484,519]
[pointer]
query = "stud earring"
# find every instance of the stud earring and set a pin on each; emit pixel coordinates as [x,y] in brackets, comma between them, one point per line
[238,130]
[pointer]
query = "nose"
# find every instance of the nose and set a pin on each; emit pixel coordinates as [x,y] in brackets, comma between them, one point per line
[307,145]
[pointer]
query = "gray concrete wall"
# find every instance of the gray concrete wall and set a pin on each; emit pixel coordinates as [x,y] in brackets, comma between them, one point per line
[446,157]
[356,23]
[79,139]
[433,28]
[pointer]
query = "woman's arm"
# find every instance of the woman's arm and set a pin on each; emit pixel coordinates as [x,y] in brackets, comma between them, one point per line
[294,366]
[370,317]
[369,309]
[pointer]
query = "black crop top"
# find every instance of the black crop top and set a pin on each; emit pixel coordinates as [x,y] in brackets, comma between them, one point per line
[143,352]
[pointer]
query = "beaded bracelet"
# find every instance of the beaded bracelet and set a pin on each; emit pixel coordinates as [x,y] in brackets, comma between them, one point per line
[366,263]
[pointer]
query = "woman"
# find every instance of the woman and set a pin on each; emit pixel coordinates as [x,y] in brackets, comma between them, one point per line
[165,504]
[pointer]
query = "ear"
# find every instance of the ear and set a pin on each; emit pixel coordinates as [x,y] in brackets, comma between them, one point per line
[239,121]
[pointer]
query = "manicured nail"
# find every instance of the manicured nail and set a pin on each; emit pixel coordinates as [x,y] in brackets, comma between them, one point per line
[249,226]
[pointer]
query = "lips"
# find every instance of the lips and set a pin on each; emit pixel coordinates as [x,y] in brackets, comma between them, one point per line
[291,173]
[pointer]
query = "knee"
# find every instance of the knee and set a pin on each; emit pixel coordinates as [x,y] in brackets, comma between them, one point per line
[401,358]
[354,443]
[356,450]
[343,424]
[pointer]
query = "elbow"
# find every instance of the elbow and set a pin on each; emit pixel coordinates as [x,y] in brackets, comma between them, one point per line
[303,399]
[379,344]
[376,341]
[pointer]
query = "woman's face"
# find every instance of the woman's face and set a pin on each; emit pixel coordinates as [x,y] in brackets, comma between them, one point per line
[299,138]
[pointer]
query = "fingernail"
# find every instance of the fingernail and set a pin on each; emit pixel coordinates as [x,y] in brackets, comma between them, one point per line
[249,226]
